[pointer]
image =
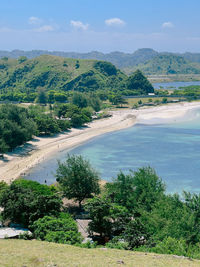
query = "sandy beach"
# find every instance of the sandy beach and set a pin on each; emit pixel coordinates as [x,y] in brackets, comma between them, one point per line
[22,159]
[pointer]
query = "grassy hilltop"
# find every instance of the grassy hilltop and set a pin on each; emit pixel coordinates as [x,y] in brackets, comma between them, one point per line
[18,253]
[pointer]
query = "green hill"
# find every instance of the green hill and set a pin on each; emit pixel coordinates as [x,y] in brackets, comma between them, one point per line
[56,73]
[167,64]
[18,253]
[21,79]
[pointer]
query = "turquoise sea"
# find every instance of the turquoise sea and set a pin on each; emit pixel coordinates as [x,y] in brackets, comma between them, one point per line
[172,148]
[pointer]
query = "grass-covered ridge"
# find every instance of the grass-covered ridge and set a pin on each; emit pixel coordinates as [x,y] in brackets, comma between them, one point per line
[37,253]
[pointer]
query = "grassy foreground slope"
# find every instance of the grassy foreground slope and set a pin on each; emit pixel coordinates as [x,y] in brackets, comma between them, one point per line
[14,253]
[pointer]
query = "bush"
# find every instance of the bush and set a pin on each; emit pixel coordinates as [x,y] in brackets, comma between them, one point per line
[175,247]
[69,237]
[117,243]
[171,246]
[89,244]
[62,229]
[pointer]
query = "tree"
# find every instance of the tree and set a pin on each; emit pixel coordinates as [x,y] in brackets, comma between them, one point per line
[3,187]
[25,201]
[77,178]
[16,127]
[95,102]
[98,209]
[47,124]
[22,59]
[164,100]
[136,190]
[76,120]
[3,146]
[135,233]
[42,97]
[117,99]
[108,219]
[170,217]
[137,81]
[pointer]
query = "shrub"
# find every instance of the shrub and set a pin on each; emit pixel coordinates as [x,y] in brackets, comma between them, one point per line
[62,229]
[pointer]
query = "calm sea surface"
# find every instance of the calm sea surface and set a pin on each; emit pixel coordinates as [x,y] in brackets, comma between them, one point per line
[172,148]
[174,85]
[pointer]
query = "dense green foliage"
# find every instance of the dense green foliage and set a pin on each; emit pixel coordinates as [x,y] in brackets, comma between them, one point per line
[138,83]
[60,229]
[19,124]
[77,179]
[134,212]
[73,114]
[16,127]
[128,197]
[192,91]
[135,191]
[108,219]
[26,201]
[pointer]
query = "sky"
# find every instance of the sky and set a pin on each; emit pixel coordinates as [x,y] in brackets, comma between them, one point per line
[100,25]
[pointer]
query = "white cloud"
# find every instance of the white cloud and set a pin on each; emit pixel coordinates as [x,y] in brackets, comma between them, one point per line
[167,24]
[114,22]
[44,28]
[34,20]
[79,25]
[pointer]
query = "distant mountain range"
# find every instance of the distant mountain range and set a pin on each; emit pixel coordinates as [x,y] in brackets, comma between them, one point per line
[167,64]
[146,59]
[120,59]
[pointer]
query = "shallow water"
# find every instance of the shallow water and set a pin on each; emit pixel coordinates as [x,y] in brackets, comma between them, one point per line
[174,85]
[172,148]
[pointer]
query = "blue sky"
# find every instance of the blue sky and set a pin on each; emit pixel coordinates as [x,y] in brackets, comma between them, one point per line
[100,25]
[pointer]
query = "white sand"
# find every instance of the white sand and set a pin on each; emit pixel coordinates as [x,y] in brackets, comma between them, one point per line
[19,162]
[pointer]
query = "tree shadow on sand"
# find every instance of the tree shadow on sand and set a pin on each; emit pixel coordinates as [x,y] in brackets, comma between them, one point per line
[23,150]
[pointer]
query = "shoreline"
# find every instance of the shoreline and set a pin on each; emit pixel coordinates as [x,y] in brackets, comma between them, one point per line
[22,159]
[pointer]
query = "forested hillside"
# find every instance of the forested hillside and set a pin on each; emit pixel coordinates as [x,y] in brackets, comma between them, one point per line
[22,79]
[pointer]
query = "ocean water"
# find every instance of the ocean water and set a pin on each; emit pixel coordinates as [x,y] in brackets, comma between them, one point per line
[172,148]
